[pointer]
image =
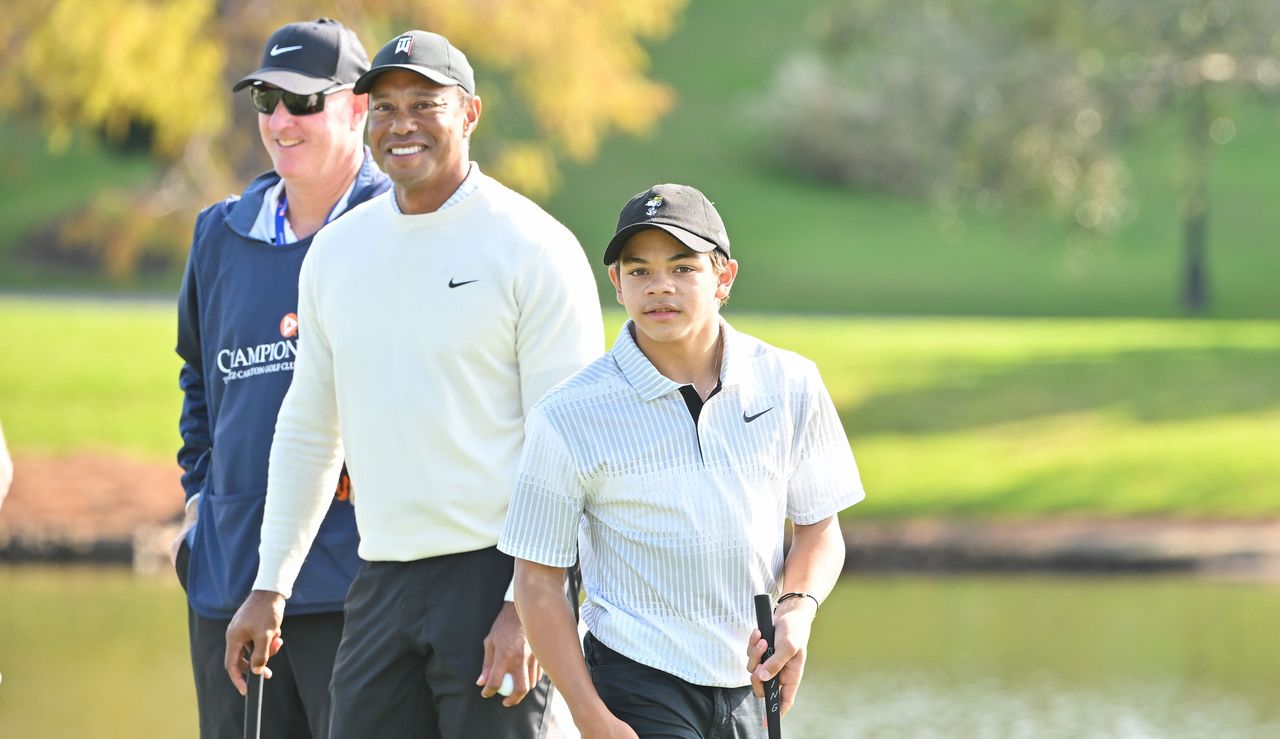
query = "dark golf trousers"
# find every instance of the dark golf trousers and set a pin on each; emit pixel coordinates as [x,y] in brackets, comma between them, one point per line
[295,701]
[413,647]
[659,705]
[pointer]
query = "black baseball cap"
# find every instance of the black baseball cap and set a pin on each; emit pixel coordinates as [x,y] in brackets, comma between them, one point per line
[680,210]
[310,57]
[429,54]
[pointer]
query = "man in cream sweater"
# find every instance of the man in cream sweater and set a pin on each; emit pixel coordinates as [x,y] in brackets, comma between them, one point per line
[431,320]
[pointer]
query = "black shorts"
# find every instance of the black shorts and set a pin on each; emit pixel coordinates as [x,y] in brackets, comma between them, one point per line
[659,705]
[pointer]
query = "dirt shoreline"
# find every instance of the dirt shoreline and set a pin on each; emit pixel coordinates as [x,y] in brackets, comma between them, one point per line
[95,508]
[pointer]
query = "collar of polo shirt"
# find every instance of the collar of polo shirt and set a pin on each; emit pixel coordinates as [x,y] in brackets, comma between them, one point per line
[652,384]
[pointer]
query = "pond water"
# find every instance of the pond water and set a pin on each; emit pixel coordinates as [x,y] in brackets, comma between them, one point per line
[91,652]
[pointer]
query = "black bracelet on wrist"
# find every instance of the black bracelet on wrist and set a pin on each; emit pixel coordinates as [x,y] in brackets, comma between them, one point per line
[788,596]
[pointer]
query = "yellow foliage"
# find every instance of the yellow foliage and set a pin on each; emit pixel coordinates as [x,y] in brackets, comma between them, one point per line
[105,65]
[531,164]
[578,69]
[579,66]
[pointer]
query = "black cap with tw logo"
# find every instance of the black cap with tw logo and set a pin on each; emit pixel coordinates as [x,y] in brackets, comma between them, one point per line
[680,210]
[310,57]
[429,54]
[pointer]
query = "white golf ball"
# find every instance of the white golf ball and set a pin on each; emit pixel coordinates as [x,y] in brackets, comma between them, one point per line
[508,685]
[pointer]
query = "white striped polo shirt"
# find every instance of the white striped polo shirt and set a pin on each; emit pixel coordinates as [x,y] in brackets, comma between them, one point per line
[679,524]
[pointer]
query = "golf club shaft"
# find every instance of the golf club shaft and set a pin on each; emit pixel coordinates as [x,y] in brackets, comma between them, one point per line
[772,693]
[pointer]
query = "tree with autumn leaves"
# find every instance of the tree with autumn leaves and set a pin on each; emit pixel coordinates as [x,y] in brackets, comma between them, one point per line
[557,77]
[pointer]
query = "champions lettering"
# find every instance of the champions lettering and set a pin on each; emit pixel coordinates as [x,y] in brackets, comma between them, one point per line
[250,361]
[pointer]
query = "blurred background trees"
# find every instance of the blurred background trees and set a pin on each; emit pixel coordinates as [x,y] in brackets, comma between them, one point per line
[993,157]
[1009,104]
[557,78]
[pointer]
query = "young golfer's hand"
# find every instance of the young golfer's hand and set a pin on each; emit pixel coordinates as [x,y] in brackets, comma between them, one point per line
[792,623]
[256,625]
[507,651]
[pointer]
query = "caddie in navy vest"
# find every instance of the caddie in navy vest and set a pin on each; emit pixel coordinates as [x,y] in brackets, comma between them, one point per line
[237,334]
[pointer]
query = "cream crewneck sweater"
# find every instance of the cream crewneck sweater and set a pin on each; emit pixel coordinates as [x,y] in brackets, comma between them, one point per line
[424,340]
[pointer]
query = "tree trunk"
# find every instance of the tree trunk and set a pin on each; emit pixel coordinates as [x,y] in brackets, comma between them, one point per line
[1195,207]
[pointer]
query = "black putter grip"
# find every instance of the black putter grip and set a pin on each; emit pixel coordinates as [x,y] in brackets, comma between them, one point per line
[253,703]
[772,693]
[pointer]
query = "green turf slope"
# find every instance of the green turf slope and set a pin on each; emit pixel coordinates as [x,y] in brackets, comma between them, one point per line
[994,417]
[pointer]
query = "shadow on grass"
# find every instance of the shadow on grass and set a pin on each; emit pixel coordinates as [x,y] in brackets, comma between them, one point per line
[1165,385]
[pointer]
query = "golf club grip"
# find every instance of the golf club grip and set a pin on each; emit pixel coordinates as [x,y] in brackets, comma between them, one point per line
[253,707]
[772,693]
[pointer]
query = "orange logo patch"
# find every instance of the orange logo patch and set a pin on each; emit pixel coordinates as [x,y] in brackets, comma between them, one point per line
[289,325]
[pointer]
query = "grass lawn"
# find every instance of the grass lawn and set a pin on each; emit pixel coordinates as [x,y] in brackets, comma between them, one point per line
[812,249]
[994,417]
[37,188]
[807,247]
[89,376]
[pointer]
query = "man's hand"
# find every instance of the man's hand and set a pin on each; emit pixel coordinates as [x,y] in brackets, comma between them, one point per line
[188,522]
[792,623]
[507,651]
[256,625]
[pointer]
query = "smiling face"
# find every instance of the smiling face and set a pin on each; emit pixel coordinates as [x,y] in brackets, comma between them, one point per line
[671,292]
[420,133]
[315,147]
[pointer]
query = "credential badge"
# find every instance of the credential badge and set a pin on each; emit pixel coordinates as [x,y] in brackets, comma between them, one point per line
[654,203]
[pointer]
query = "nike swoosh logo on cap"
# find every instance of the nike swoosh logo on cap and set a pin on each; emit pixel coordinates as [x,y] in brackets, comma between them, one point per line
[277,50]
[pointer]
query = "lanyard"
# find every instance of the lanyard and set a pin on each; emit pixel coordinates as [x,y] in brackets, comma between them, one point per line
[284,208]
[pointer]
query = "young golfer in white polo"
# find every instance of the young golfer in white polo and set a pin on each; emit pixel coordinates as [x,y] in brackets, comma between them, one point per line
[671,463]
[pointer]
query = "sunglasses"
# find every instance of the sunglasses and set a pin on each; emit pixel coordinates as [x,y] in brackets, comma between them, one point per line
[265,100]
